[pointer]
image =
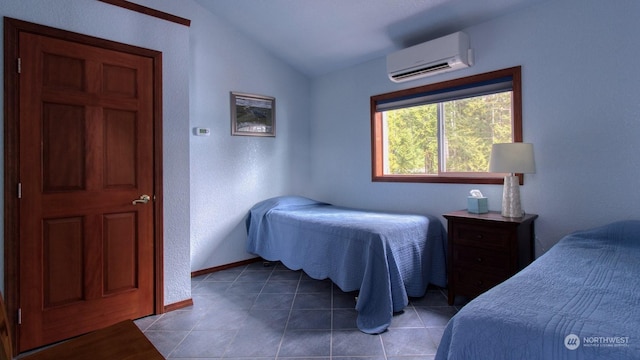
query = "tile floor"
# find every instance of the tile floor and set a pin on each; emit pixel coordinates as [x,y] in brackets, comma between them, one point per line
[258,312]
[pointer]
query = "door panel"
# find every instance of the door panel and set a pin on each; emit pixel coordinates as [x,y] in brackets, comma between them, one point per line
[62,255]
[86,152]
[63,134]
[119,269]
[120,148]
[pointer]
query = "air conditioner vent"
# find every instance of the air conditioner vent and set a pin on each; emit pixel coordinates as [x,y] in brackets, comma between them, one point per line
[418,72]
[443,54]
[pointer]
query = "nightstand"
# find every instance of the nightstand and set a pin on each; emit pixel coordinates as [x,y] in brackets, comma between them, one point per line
[485,250]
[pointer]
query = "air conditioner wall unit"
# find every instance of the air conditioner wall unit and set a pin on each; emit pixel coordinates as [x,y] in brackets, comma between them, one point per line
[433,57]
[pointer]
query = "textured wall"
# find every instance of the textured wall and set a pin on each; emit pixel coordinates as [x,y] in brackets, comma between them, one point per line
[580,110]
[231,173]
[228,174]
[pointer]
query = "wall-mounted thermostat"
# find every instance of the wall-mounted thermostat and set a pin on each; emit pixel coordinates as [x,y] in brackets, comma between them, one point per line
[202,131]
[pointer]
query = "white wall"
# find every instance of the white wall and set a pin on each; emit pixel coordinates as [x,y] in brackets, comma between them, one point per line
[231,173]
[580,109]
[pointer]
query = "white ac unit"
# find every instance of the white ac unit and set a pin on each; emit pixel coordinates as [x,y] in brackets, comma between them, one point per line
[443,54]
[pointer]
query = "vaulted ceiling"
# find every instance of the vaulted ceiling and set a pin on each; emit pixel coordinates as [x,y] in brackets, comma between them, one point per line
[321,36]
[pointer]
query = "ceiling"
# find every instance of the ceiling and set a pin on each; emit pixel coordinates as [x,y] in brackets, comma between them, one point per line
[320,36]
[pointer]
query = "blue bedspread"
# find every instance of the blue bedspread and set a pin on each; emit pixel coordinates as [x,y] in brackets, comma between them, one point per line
[388,257]
[585,292]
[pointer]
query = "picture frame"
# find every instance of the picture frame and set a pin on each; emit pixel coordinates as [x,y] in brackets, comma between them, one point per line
[253,115]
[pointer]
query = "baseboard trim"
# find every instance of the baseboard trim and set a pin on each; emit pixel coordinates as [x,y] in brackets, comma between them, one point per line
[179,305]
[224,267]
[189,302]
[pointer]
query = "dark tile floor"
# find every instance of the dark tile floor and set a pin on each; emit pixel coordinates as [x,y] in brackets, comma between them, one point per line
[258,312]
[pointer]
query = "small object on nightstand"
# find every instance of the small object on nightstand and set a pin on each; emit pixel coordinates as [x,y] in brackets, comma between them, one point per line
[477,203]
[486,249]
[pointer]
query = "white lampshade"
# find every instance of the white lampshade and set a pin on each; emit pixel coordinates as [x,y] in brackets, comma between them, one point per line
[512,158]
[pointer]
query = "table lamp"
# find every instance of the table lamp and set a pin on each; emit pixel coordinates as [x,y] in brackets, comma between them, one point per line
[512,158]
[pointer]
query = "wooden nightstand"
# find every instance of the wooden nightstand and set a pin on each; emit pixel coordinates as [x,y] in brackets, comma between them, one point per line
[486,249]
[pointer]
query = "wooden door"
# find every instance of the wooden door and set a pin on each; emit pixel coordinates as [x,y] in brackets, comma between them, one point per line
[86,150]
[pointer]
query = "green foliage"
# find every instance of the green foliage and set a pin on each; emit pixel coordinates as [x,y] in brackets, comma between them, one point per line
[412,140]
[470,126]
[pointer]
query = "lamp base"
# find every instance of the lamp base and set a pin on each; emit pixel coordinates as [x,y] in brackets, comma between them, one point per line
[511,197]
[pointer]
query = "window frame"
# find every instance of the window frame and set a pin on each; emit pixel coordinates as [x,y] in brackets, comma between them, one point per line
[377,166]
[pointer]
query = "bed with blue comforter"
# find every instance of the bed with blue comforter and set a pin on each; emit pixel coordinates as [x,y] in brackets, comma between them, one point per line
[387,257]
[580,300]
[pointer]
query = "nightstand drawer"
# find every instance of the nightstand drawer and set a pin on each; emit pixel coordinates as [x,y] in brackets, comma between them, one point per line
[475,283]
[496,262]
[481,236]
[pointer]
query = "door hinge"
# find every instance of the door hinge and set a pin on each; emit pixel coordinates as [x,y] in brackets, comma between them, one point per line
[19,190]
[19,65]
[20,316]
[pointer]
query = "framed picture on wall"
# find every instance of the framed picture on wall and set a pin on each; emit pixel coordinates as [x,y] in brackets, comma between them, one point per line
[253,115]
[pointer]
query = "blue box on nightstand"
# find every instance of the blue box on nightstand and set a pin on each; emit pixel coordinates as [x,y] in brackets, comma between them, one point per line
[477,205]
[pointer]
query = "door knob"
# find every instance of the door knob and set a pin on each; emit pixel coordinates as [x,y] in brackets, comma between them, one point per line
[143,200]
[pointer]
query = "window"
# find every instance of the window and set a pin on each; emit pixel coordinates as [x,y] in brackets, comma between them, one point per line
[443,132]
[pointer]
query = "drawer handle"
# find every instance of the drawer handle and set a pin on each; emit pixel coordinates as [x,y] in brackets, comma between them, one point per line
[479,236]
[479,259]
